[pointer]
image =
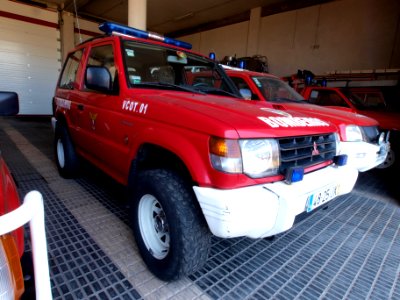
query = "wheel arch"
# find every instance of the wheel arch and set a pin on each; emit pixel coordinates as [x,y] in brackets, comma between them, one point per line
[153,156]
[164,149]
[61,118]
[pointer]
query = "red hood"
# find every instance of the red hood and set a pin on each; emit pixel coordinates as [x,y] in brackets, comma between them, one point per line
[338,117]
[230,117]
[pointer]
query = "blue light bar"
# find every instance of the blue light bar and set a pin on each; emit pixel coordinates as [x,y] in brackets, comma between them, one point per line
[110,27]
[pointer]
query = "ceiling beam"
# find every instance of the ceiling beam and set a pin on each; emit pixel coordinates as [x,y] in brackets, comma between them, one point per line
[265,11]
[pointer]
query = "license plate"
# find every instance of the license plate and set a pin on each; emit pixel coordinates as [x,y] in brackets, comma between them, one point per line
[321,197]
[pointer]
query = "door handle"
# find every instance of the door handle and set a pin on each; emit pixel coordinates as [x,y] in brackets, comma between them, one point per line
[80,106]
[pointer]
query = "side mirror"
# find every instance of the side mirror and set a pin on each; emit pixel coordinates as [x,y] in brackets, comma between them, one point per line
[9,104]
[246,94]
[98,79]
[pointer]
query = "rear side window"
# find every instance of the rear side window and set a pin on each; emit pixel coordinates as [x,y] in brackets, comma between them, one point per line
[68,77]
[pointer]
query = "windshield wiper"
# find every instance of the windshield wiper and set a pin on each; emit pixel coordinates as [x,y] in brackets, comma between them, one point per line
[216,91]
[162,84]
[281,99]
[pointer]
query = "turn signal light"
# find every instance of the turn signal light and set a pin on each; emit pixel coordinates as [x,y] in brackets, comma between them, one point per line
[224,147]
[225,155]
[12,280]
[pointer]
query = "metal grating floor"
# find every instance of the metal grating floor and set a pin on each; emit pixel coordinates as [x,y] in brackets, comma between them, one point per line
[349,251]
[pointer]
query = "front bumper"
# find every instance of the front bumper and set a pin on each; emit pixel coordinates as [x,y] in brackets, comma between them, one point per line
[364,156]
[268,209]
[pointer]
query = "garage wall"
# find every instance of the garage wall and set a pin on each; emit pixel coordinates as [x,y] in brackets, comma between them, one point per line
[85,30]
[228,40]
[339,35]
[29,55]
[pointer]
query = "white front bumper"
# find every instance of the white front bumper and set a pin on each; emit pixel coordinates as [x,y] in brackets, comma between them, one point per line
[267,209]
[364,156]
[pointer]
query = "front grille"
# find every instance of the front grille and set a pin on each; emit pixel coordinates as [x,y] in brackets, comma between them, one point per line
[300,151]
[371,133]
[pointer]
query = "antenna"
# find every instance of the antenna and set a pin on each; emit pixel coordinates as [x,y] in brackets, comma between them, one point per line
[77,22]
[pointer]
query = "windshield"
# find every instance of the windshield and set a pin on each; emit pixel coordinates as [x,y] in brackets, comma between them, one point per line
[274,89]
[153,66]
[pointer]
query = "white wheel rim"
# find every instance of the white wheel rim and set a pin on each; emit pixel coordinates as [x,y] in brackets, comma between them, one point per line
[153,226]
[388,162]
[60,154]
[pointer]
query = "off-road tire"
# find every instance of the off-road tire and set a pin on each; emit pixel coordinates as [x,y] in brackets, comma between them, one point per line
[66,158]
[163,202]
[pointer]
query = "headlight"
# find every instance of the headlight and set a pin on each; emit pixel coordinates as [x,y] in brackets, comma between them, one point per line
[353,134]
[260,157]
[254,157]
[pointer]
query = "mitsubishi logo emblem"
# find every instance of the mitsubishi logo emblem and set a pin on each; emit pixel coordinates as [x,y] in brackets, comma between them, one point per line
[315,149]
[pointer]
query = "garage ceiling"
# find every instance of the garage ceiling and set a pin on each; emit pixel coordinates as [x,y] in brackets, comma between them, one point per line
[177,17]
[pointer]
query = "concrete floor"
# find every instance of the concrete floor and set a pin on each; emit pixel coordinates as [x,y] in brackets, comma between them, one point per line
[349,251]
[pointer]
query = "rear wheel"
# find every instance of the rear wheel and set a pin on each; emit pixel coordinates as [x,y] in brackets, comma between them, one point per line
[169,229]
[66,158]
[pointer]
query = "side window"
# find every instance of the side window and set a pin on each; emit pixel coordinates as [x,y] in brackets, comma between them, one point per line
[68,76]
[330,98]
[371,99]
[240,83]
[103,56]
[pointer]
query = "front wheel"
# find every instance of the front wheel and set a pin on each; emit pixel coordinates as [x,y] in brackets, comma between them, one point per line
[389,161]
[169,229]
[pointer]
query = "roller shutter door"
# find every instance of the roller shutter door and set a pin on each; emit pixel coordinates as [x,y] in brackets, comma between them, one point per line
[30,61]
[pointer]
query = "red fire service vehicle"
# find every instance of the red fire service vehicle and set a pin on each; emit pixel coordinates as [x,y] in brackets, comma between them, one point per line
[11,244]
[361,141]
[358,93]
[195,158]
[17,270]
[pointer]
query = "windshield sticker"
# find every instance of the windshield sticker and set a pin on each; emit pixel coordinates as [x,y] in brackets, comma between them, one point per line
[135,79]
[64,103]
[130,52]
[276,122]
[257,82]
[134,106]
[181,54]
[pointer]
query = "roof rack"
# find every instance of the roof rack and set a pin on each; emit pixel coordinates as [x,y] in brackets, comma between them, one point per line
[376,74]
[348,78]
